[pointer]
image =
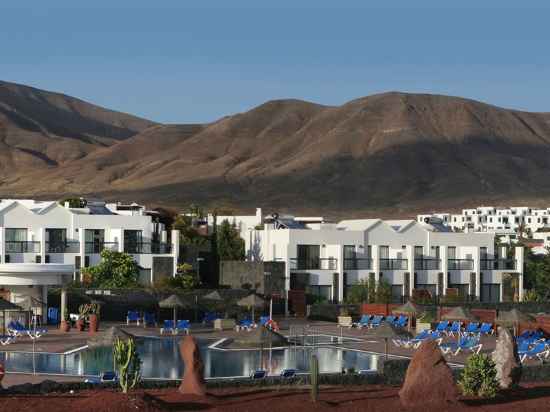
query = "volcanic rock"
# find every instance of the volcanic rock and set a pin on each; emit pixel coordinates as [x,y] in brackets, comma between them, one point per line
[506,359]
[193,378]
[429,380]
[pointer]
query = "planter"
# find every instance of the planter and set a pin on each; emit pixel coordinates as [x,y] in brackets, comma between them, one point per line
[64,326]
[344,321]
[80,325]
[224,324]
[94,324]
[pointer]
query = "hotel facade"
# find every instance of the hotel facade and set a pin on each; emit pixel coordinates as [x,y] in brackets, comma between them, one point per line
[326,259]
[45,244]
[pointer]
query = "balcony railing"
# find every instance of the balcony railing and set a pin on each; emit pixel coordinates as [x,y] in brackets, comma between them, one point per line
[498,264]
[148,248]
[313,264]
[63,247]
[98,247]
[427,264]
[357,263]
[22,247]
[460,264]
[393,264]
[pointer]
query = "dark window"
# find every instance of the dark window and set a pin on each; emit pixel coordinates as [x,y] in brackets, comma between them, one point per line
[132,241]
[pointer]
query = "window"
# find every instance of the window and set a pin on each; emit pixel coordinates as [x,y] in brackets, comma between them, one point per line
[397,293]
[490,292]
[94,239]
[16,240]
[418,252]
[384,252]
[321,292]
[308,256]
[349,252]
[56,240]
[132,241]
[451,252]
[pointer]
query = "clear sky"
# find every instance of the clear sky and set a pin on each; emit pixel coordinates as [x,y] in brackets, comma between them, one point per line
[195,61]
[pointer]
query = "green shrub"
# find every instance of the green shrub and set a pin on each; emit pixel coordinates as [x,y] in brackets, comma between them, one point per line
[479,377]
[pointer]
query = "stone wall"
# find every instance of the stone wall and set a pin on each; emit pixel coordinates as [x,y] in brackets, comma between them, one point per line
[265,277]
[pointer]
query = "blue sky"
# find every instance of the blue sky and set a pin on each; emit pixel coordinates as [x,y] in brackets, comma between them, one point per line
[195,61]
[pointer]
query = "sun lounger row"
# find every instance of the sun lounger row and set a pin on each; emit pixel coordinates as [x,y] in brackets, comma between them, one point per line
[456,327]
[245,324]
[418,339]
[181,325]
[471,343]
[372,321]
[16,329]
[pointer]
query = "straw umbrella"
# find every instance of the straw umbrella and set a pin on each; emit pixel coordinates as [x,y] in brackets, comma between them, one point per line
[461,314]
[408,308]
[251,301]
[215,298]
[6,305]
[387,331]
[513,317]
[174,302]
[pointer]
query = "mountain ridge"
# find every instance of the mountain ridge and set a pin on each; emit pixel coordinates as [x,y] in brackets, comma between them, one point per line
[389,151]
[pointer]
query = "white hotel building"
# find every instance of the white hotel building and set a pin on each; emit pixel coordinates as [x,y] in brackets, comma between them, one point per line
[45,244]
[326,258]
[499,220]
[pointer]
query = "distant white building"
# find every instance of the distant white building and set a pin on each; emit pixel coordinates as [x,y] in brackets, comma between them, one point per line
[499,220]
[327,258]
[45,244]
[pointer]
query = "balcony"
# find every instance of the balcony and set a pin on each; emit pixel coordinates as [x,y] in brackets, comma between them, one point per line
[313,264]
[460,264]
[427,264]
[63,247]
[393,264]
[498,264]
[91,248]
[22,247]
[357,264]
[148,248]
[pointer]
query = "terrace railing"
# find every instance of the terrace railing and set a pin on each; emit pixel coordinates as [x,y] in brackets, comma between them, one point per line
[498,264]
[357,264]
[148,248]
[63,247]
[313,264]
[460,264]
[22,247]
[427,264]
[98,247]
[393,264]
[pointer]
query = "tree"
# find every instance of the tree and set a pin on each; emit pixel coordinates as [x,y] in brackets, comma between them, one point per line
[74,202]
[185,278]
[230,245]
[188,234]
[115,270]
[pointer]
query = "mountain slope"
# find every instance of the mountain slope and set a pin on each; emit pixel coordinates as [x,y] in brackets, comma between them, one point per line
[40,129]
[389,151]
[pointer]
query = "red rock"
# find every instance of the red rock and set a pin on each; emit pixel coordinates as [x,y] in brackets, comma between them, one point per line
[193,378]
[429,380]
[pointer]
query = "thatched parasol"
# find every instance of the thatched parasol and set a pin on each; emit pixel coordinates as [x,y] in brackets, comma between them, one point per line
[513,318]
[387,331]
[6,305]
[408,307]
[459,313]
[252,301]
[174,302]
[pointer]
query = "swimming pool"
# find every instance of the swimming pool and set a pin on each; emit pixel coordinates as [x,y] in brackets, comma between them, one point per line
[161,360]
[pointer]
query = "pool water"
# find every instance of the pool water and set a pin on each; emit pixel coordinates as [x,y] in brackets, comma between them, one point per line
[161,360]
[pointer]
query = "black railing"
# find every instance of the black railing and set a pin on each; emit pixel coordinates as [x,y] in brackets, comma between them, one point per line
[393,264]
[313,264]
[22,247]
[498,264]
[63,247]
[460,264]
[427,264]
[357,263]
[148,248]
[98,247]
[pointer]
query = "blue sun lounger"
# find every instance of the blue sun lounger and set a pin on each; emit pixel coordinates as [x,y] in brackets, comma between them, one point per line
[540,351]
[258,374]
[464,343]
[456,327]
[168,326]
[183,325]
[486,329]
[363,322]
[133,316]
[442,326]
[472,328]
[376,321]
[288,373]
[402,321]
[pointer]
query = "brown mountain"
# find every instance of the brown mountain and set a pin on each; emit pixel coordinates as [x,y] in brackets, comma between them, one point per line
[392,151]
